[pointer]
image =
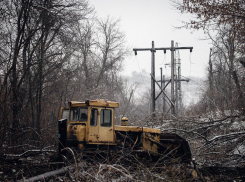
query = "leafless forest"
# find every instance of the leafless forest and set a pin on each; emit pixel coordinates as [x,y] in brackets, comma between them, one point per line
[55,51]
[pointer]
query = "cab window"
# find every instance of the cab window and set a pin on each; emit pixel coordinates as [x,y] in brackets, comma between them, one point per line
[78,114]
[83,114]
[105,118]
[74,114]
[93,119]
[65,113]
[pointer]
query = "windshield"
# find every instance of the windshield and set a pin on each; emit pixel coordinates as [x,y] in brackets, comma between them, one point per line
[78,114]
[105,118]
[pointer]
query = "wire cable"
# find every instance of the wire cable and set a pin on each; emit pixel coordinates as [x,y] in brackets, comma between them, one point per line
[190,65]
[164,60]
[190,58]
[140,72]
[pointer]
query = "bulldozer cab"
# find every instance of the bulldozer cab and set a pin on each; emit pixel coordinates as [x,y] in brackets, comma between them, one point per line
[91,121]
[101,125]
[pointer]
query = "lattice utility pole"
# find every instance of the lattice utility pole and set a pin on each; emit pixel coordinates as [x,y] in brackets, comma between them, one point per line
[153,80]
[176,74]
[162,87]
[178,80]
[173,75]
[179,96]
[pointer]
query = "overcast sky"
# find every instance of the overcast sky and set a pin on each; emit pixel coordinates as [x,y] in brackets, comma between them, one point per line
[144,21]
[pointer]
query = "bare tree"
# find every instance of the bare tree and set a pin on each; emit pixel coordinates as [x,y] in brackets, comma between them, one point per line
[100,50]
[32,44]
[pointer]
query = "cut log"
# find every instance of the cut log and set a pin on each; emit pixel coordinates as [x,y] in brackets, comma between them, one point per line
[49,174]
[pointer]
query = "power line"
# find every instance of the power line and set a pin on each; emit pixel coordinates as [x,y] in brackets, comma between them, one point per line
[140,72]
[153,50]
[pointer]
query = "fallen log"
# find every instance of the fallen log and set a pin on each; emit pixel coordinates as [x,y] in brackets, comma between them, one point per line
[49,174]
[27,153]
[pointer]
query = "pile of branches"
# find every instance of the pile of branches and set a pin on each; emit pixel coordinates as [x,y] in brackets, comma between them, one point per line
[101,165]
[111,165]
[213,141]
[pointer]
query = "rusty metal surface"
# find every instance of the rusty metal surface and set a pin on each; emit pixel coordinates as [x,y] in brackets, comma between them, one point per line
[151,130]
[102,103]
[98,102]
[175,141]
[129,128]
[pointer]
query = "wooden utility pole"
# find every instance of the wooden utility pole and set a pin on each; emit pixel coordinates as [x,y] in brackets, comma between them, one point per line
[153,50]
[210,71]
[153,105]
[172,76]
[164,101]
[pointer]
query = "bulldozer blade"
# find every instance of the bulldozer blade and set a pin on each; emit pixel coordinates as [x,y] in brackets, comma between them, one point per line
[175,147]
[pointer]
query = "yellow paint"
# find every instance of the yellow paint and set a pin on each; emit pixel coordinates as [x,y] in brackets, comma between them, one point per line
[98,133]
[128,128]
[124,121]
[77,104]
[103,103]
[107,133]
[81,133]
[151,130]
[148,144]
[105,143]
[98,102]
[76,132]
[92,134]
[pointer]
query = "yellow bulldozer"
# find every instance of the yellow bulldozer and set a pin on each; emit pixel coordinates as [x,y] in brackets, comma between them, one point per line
[92,124]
